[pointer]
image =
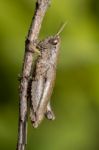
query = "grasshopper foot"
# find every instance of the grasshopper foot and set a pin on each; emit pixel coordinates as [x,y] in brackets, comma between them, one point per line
[50,115]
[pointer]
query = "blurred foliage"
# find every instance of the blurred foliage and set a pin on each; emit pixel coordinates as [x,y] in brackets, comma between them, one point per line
[76,95]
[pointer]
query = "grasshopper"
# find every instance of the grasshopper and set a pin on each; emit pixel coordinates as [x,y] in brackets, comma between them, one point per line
[44,79]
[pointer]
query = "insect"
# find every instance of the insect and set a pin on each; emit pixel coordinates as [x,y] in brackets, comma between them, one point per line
[44,79]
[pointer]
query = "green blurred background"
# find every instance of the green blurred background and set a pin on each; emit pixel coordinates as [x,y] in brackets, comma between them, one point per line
[75,98]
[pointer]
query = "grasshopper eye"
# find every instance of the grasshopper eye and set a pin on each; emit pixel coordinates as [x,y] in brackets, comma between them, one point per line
[54,41]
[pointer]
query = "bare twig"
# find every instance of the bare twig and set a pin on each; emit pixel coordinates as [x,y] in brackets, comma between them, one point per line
[41,7]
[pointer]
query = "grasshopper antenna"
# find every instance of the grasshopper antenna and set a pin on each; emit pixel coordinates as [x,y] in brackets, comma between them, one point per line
[61,28]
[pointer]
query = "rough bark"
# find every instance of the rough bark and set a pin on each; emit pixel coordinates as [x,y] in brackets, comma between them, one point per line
[30,46]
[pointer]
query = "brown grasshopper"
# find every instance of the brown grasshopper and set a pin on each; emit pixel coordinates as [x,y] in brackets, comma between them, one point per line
[44,79]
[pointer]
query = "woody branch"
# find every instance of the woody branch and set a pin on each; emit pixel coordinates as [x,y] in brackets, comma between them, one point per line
[30,45]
